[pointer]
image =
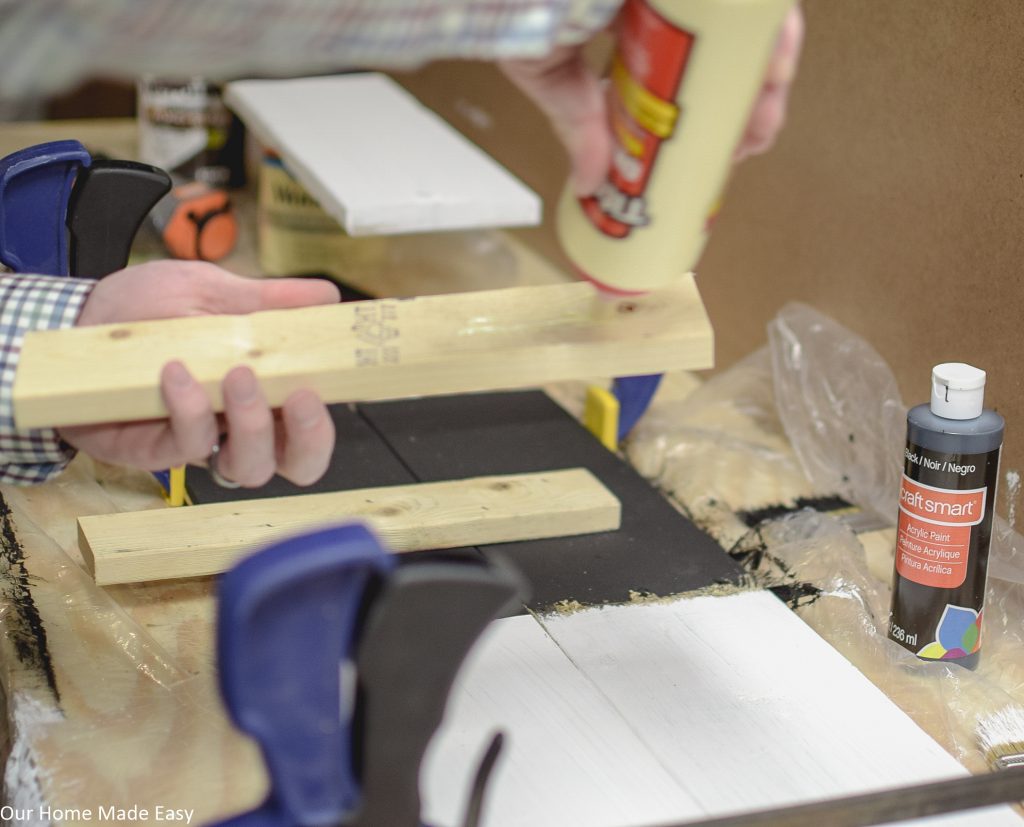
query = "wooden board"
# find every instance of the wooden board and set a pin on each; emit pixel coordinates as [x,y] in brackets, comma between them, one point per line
[570,758]
[386,349]
[741,705]
[377,160]
[162,544]
[719,679]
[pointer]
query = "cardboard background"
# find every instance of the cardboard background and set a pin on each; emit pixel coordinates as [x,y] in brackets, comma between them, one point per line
[894,201]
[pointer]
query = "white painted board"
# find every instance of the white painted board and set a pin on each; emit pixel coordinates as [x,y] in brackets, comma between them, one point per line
[569,758]
[749,708]
[638,715]
[377,160]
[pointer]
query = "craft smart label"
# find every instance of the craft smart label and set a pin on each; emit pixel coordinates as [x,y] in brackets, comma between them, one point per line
[933,539]
[942,540]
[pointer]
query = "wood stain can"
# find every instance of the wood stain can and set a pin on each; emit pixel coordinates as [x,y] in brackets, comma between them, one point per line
[683,78]
[185,128]
[944,531]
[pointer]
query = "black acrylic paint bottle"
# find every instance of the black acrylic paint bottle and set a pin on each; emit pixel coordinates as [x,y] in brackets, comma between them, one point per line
[947,499]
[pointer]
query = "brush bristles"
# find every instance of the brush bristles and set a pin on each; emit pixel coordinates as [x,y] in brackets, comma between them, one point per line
[1001,737]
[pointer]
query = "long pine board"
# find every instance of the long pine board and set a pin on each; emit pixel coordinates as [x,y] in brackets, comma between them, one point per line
[365,351]
[160,544]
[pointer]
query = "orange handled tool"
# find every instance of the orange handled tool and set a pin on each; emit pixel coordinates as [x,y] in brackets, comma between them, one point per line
[196,221]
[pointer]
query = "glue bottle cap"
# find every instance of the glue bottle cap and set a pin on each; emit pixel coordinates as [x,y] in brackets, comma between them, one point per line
[958,391]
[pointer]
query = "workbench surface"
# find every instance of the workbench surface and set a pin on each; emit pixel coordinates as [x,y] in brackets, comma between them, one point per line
[641,714]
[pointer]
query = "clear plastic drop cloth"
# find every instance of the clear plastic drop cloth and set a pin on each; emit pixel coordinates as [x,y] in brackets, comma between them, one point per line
[792,460]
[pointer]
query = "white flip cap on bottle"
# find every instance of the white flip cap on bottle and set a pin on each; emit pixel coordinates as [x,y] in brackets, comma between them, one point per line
[958,391]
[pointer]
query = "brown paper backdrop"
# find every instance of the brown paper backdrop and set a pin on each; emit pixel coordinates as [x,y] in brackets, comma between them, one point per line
[894,201]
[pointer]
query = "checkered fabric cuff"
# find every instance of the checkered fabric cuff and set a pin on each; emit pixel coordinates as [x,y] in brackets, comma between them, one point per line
[32,303]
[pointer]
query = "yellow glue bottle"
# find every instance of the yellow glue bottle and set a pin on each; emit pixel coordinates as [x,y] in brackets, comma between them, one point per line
[683,79]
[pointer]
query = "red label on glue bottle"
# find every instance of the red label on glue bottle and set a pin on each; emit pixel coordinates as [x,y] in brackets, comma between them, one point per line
[683,79]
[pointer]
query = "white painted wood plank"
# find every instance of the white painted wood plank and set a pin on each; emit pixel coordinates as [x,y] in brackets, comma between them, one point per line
[569,757]
[377,160]
[747,707]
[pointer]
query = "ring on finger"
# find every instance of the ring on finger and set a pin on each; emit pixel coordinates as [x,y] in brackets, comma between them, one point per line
[211,467]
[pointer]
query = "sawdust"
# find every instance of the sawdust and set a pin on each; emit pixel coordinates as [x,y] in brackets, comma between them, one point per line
[567,607]
[645,598]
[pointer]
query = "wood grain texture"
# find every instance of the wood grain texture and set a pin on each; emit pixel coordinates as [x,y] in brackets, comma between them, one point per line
[131,714]
[161,544]
[386,349]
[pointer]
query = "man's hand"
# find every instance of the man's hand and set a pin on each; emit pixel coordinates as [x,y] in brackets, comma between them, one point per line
[574,100]
[769,112]
[296,442]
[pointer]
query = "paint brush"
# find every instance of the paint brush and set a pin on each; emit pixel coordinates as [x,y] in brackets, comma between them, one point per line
[1001,737]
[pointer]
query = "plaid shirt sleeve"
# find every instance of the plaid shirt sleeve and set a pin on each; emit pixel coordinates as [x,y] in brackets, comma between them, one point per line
[32,303]
[48,45]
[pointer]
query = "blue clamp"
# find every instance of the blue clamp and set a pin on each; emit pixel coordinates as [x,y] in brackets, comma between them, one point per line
[63,213]
[286,624]
[634,394]
[338,658]
[35,187]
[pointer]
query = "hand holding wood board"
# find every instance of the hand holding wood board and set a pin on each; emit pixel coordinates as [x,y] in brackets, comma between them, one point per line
[365,351]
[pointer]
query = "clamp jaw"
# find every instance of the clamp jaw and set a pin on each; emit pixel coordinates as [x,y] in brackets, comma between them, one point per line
[64,213]
[338,658]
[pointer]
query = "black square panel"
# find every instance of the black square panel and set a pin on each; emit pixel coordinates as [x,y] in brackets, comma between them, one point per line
[657,549]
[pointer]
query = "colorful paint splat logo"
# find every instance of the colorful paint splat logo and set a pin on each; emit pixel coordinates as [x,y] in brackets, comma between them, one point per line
[957,636]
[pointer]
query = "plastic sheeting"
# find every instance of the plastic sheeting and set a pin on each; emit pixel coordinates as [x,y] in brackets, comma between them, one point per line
[818,413]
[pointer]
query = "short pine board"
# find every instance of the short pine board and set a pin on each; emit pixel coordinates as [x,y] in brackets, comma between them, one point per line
[169,543]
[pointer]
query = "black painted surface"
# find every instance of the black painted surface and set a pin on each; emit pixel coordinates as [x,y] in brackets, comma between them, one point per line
[657,549]
[24,627]
[756,516]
